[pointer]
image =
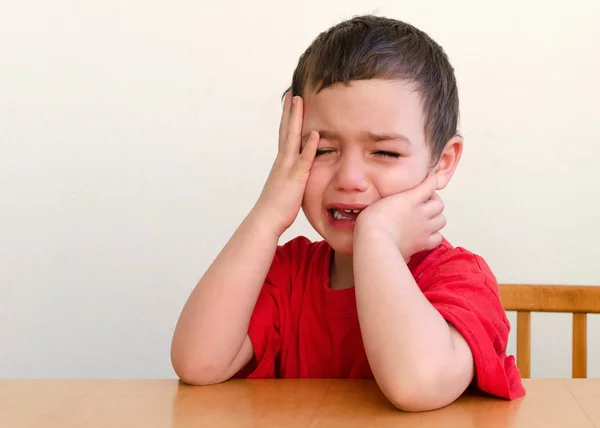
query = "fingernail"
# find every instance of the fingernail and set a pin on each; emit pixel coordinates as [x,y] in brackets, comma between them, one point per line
[294,100]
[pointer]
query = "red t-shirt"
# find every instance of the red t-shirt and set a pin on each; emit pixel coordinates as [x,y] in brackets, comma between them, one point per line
[301,328]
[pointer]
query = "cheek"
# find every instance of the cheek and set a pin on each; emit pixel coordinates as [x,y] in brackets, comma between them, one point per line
[319,178]
[399,180]
[315,188]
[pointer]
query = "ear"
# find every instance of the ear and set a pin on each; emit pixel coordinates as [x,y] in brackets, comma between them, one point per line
[446,165]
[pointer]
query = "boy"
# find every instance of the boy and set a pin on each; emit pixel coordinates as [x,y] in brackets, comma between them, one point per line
[367,136]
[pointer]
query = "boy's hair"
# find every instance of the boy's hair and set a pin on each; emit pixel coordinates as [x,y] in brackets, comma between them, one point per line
[371,47]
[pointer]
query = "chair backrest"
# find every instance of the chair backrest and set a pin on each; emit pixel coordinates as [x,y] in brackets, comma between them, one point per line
[578,300]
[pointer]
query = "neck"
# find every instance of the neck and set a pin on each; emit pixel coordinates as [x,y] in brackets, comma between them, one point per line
[342,271]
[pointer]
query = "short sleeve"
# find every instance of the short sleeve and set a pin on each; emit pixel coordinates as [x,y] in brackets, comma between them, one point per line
[267,319]
[465,292]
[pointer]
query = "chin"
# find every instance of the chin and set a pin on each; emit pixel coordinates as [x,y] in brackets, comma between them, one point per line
[343,244]
[341,240]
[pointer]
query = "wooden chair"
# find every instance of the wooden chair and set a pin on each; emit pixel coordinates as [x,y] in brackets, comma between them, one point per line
[578,300]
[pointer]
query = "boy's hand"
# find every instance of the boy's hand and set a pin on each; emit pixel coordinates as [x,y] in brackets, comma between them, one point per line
[282,194]
[412,218]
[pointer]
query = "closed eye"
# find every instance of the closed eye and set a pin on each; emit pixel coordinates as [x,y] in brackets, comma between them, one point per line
[320,152]
[386,154]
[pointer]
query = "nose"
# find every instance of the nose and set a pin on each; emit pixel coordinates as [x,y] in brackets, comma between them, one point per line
[350,175]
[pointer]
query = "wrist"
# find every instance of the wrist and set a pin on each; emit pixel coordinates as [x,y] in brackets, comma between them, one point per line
[266,221]
[375,244]
[369,234]
[367,228]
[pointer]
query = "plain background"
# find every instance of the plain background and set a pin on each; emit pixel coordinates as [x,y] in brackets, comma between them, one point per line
[135,136]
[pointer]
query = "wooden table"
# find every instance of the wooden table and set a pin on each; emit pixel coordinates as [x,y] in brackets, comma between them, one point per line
[288,403]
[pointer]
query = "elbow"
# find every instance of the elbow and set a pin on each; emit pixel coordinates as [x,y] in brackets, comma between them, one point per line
[198,377]
[194,372]
[420,392]
[413,402]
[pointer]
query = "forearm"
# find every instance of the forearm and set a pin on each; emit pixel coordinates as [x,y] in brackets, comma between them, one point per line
[214,321]
[411,348]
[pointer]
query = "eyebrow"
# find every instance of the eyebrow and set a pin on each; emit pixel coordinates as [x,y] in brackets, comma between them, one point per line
[366,136]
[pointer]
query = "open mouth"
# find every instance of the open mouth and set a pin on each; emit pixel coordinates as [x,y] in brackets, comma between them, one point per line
[344,214]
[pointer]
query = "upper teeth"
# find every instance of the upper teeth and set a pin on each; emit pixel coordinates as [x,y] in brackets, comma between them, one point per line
[337,214]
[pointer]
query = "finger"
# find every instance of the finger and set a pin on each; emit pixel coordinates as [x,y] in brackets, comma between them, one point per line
[309,151]
[433,207]
[435,197]
[425,190]
[435,240]
[437,223]
[294,134]
[285,119]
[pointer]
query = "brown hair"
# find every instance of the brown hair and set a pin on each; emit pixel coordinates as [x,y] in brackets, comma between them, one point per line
[371,47]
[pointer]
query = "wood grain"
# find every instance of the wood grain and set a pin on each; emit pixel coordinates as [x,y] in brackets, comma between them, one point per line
[524,343]
[524,299]
[550,298]
[579,345]
[281,403]
[587,394]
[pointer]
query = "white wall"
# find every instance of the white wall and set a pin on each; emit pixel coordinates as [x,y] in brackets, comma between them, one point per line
[135,137]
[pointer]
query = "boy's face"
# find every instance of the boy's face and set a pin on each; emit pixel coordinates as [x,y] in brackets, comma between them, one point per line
[372,146]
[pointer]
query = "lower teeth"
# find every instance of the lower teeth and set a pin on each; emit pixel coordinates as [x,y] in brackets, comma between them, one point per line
[336,215]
